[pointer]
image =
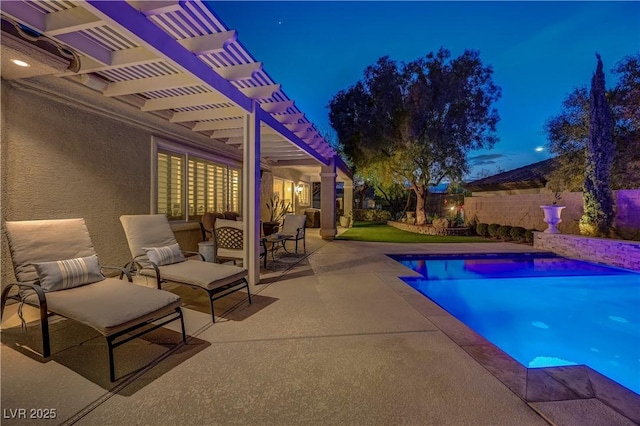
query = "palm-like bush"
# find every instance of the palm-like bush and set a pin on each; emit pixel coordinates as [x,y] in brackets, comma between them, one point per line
[277,209]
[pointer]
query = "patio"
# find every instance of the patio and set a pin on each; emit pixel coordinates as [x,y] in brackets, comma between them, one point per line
[336,339]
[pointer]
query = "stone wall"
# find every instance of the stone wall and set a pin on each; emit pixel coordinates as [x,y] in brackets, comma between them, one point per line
[624,254]
[524,210]
[427,229]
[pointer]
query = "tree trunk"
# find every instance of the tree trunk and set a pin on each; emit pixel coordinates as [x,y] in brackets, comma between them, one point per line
[421,199]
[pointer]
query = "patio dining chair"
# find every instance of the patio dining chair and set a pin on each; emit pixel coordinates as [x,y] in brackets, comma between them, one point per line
[295,225]
[156,253]
[228,239]
[58,272]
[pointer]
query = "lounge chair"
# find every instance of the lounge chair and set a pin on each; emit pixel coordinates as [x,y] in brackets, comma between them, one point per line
[156,253]
[58,272]
[295,224]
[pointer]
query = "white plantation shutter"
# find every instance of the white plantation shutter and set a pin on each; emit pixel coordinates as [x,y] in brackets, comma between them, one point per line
[202,185]
[234,190]
[216,192]
[170,185]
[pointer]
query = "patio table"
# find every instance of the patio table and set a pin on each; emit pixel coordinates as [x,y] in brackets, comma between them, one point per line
[272,243]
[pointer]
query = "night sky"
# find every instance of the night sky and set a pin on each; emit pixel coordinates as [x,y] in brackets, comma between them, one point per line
[540,51]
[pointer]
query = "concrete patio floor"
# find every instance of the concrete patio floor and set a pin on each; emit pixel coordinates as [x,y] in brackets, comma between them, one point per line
[336,339]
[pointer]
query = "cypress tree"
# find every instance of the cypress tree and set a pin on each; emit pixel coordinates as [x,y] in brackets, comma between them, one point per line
[599,203]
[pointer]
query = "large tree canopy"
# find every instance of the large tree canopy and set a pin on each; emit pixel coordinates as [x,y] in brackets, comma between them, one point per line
[568,132]
[413,123]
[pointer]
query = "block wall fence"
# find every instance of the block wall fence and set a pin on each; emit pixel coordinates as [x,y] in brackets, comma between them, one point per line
[524,210]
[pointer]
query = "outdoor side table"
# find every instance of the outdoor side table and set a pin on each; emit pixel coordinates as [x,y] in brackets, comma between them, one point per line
[272,243]
[206,249]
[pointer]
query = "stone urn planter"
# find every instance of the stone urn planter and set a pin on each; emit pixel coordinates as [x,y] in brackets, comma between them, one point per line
[345,221]
[552,218]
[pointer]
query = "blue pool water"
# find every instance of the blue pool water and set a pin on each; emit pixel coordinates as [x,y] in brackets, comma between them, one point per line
[543,310]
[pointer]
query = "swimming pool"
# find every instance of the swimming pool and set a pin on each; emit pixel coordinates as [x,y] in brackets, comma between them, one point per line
[541,309]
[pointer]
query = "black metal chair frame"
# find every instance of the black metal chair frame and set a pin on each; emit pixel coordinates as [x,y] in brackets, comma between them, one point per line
[297,237]
[112,340]
[214,294]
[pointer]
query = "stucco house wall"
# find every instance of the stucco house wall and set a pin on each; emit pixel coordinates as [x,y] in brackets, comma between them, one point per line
[67,153]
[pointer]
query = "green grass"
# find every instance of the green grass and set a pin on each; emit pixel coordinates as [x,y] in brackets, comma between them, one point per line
[381,232]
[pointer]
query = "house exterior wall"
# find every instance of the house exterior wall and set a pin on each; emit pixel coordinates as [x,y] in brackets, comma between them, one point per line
[294,176]
[524,210]
[61,160]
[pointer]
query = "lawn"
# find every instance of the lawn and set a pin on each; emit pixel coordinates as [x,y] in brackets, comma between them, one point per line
[381,232]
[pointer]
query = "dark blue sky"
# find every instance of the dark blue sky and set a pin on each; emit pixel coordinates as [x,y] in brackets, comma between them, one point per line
[540,51]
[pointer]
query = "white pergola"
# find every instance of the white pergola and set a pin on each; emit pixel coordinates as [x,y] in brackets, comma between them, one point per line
[177,60]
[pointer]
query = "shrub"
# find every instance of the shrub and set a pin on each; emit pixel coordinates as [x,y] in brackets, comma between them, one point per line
[472,223]
[441,225]
[528,236]
[493,230]
[371,215]
[517,233]
[482,229]
[504,233]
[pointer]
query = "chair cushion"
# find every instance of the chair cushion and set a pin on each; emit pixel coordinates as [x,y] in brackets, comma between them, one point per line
[226,223]
[293,222]
[165,255]
[35,241]
[65,274]
[201,274]
[209,219]
[110,305]
[235,254]
[147,230]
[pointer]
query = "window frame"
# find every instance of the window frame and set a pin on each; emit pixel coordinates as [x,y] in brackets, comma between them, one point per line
[304,196]
[161,145]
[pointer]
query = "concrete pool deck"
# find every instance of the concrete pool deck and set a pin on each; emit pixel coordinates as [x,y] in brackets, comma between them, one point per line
[336,339]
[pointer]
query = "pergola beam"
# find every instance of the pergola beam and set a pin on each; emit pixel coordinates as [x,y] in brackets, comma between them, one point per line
[260,92]
[141,85]
[208,43]
[70,20]
[156,7]
[205,114]
[289,118]
[276,107]
[238,72]
[203,126]
[184,101]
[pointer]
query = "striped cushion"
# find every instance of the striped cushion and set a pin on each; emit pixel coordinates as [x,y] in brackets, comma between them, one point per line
[63,274]
[165,255]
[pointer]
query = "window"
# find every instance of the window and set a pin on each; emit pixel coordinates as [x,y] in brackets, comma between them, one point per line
[283,190]
[170,185]
[304,194]
[189,186]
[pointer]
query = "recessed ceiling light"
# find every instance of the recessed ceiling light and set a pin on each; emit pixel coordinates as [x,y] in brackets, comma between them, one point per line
[20,63]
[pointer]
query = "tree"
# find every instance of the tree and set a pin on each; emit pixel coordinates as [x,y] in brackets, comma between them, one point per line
[599,204]
[568,132]
[412,124]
